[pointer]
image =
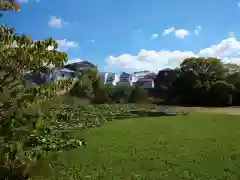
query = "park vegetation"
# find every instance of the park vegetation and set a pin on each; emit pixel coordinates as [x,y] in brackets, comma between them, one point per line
[33,125]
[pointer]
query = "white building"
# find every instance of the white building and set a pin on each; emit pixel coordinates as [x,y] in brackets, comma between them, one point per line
[143,78]
[141,74]
[112,78]
[127,79]
[109,78]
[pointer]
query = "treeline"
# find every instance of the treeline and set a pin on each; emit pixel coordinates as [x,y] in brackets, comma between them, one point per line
[201,82]
[197,82]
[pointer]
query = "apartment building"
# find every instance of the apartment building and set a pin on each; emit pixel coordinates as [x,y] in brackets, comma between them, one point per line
[127,79]
[146,80]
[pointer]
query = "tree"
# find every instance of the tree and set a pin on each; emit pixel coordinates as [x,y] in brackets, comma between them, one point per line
[84,87]
[102,93]
[195,79]
[233,77]
[7,5]
[208,69]
[138,95]
[121,93]
[221,93]
[184,85]
[28,132]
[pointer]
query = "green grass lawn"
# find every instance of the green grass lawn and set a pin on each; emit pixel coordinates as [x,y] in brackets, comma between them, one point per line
[198,146]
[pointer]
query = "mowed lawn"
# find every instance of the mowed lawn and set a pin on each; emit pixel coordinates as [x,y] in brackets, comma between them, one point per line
[199,146]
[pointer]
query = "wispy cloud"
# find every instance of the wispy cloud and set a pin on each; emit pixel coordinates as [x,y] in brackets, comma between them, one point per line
[197,30]
[154,36]
[168,31]
[64,45]
[56,22]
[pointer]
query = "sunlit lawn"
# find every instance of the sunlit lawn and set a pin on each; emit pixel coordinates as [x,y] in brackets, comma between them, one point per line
[198,146]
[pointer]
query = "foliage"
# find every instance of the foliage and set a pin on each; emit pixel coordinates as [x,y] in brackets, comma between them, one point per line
[102,94]
[202,82]
[84,85]
[28,135]
[7,5]
[138,95]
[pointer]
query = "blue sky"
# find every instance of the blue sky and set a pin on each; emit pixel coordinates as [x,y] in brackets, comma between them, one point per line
[133,35]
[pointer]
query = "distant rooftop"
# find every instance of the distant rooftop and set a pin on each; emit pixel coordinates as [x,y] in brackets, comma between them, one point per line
[79,65]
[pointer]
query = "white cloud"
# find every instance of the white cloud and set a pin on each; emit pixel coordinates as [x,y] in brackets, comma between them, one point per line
[64,45]
[197,30]
[181,33]
[168,31]
[148,60]
[56,22]
[227,49]
[91,41]
[154,36]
